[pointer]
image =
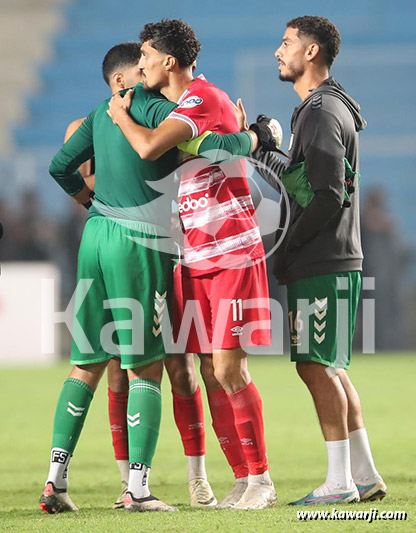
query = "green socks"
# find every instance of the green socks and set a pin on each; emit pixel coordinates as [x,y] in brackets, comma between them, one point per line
[71,410]
[144,412]
[143,418]
[70,414]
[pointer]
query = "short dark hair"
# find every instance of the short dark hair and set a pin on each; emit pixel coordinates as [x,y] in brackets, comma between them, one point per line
[174,37]
[321,29]
[120,56]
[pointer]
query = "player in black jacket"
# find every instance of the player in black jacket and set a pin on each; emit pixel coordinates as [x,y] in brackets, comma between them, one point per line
[320,257]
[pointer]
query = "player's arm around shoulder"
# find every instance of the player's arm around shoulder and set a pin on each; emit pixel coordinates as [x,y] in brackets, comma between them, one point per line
[212,145]
[166,136]
[150,144]
[215,147]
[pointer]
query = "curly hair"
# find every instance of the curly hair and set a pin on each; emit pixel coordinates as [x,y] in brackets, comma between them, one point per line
[174,37]
[321,29]
[120,56]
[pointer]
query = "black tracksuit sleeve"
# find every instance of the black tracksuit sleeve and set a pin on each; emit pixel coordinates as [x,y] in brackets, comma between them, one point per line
[324,158]
[270,167]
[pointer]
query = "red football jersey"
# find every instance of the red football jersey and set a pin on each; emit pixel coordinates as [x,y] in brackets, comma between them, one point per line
[214,201]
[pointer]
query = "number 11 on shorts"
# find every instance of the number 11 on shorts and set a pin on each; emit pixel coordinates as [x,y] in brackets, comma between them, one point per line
[237,309]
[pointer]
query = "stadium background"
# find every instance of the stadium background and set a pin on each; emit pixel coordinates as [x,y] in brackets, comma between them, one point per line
[50,58]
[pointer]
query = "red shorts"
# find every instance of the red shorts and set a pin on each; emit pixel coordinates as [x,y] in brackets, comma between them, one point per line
[222,310]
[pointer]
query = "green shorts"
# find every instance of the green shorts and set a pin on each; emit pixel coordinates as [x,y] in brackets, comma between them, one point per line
[123,291]
[322,315]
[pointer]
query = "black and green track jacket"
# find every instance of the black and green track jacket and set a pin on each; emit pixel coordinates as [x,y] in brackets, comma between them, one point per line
[324,237]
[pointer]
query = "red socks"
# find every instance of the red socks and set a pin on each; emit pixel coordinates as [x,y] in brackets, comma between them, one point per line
[237,420]
[189,418]
[117,410]
[224,426]
[248,412]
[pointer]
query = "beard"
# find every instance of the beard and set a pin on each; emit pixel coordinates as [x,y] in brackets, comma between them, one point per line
[287,77]
[294,72]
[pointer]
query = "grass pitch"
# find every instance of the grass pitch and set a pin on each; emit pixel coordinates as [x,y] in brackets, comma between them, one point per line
[295,446]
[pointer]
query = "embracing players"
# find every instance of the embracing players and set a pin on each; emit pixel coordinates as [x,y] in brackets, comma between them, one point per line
[223,267]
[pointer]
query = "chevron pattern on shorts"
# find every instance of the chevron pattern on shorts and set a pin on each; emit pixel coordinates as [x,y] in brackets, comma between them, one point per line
[160,306]
[320,314]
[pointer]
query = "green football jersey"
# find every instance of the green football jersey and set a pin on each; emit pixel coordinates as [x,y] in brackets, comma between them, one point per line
[121,176]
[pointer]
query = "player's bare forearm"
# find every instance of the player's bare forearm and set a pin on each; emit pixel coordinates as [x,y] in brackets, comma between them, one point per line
[139,137]
[83,197]
[149,144]
[136,135]
[90,181]
[254,140]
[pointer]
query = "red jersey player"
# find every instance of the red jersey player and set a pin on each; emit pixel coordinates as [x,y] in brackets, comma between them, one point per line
[223,264]
[223,250]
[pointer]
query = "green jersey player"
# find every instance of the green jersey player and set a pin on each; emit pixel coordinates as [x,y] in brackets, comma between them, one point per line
[114,271]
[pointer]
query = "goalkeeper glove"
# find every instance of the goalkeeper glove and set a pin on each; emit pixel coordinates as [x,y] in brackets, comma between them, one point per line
[269,132]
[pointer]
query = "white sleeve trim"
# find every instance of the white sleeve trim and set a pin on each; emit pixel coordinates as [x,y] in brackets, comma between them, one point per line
[188,120]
